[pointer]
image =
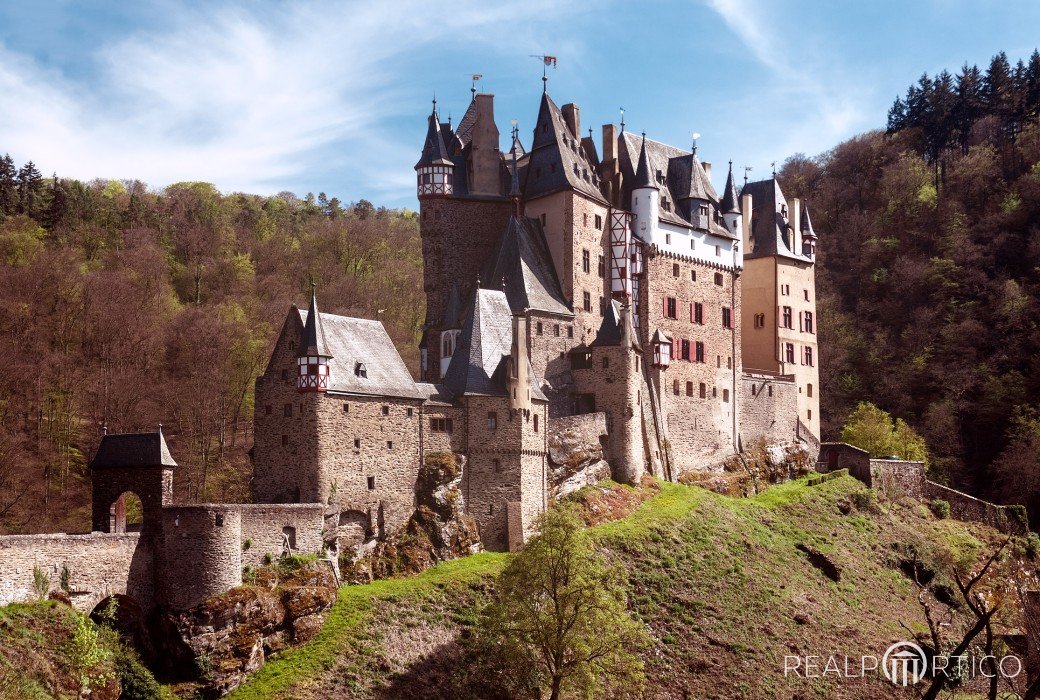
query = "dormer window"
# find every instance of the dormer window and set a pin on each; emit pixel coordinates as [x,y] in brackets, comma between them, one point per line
[360,370]
[660,177]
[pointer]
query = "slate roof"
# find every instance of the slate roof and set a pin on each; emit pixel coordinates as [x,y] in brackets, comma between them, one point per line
[354,340]
[611,329]
[522,257]
[770,230]
[434,394]
[313,341]
[643,179]
[464,131]
[806,224]
[557,160]
[480,362]
[435,151]
[730,201]
[133,450]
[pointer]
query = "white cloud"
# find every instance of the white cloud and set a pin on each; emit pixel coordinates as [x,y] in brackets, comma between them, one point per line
[248,100]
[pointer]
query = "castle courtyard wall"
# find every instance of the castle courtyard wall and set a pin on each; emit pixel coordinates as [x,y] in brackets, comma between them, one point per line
[264,525]
[768,408]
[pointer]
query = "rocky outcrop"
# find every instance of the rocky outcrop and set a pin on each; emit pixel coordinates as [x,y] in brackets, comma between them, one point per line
[226,637]
[575,453]
[438,530]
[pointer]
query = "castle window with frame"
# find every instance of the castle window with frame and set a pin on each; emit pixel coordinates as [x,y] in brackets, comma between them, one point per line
[669,307]
[601,266]
[586,301]
[346,407]
[599,221]
[386,410]
[809,322]
[689,388]
[389,444]
[287,410]
[754,390]
[714,392]
[370,481]
[718,279]
[536,422]
[693,273]
[699,351]
[538,328]
[357,443]
[704,390]
[410,411]
[492,420]
[806,294]
[807,356]
[697,313]
[675,387]
[727,317]
[785,290]
[586,264]
[675,269]
[360,370]
[685,350]
[760,320]
[725,395]
[770,389]
[789,352]
[440,425]
[556,330]
[729,362]
[808,390]
[787,316]
[570,331]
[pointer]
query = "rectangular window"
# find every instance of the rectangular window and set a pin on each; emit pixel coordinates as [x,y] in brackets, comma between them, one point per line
[808,356]
[586,265]
[386,410]
[287,410]
[698,313]
[570,331]
[492,420]
[693,275]
[725,395]
[586,299]
[806,294]
[789,352]
[699,351]
[346,407]
[389,444]
[411,412]
[809,322]
[371,481]
[599,221]
[689,388]
[601,266]
[357,443]
[585,219]
[668,239]
[808,390]
[787,317]
[760,320]
[675,387]
[727,317]
[536,422]
[538,328]
[685,350]
[440,425]
[669,307]
[718,279]
[704,390]
[675,269]
[556,330]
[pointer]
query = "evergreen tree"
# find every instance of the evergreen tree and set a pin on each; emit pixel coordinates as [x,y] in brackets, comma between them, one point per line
[8,186]
[30,189]
[1032,86]
[58,209]
[897,116]
[969,105]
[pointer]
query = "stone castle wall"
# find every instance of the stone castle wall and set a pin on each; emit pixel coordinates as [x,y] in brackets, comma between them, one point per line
[700,431]
[550,339]
[768,406]
[99,565]
[202,552]
[965,507]
[263,526]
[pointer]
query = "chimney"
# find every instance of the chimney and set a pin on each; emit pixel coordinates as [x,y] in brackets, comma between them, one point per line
[572,115]
[745,223]
[485,156]
[609,143]
[707,168]
[519,385]
[792,226]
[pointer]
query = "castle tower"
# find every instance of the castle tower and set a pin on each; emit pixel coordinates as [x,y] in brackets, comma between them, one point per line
[313,368]
[809,237]
[138,463]
[729,208]
[646,199]
[435,172]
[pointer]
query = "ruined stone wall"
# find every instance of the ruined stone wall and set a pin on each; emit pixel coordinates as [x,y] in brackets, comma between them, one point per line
[285,468]
[99,565]
[202,552]
[369,456]
[700,431]
[965,507]
[768,408]
[263,527]
[458,236]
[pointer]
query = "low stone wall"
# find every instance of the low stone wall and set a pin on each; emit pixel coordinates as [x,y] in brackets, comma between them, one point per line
[898,477]
[202,553]
[265,525]
[99,565]
[965,507]
[586,427]
[841,455]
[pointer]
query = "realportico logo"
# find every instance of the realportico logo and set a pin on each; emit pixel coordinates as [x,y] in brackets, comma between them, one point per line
[904,664]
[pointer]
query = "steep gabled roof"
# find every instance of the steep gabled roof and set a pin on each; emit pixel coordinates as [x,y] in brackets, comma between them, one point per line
[522,258]
[770,229]
[464,131]
[658,157]
[354,341]
[611,331]
[481,360]
[687,179]
[133,450]
[313,341]
[557,161]
[730,201]
[434,150]
[806,223]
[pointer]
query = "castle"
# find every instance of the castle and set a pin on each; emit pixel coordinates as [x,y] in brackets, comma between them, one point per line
[560,284]
[616,297]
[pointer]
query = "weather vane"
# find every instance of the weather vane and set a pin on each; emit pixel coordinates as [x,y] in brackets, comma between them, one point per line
[622,110]
[747,169]
[546,62]
[475,78]
[694,135]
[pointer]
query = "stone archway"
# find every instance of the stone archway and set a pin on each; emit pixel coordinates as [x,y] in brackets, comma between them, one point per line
[126,514]
[122,613]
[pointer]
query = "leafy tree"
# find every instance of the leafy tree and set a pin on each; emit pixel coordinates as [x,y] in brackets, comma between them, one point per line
[1017,469]
[21,239]
[873,430]
[559,615]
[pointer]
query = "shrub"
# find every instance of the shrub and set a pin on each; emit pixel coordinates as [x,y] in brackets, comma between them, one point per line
[1018,513]
[268,558]
[1032,545]
[65,581]
[248,544]
[41,583]
[87,655]
[865,499]
[941,508]
[136,680]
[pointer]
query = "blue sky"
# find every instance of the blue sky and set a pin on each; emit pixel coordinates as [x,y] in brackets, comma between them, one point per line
[321,96]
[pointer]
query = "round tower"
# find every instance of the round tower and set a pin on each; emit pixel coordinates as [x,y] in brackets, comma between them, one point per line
[729,207]
[646,198]
[435,171]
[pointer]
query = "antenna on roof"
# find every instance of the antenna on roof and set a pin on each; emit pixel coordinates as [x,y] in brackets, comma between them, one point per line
[622,109]
[546,62]
[475,78]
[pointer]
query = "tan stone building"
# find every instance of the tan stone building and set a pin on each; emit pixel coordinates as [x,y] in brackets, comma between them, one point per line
[559,283]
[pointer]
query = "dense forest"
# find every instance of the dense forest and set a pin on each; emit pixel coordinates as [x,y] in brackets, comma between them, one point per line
[929,273]
[125,307]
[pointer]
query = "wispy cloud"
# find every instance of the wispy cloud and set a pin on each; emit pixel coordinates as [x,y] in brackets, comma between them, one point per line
[245,98]
[824,104]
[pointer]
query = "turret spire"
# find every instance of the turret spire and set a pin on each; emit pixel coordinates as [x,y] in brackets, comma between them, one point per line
[314,354]
[730,202]
[643,170]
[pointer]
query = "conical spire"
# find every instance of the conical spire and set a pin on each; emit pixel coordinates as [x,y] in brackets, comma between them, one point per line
[434,151]
[806,223]
[730,202]
[314,344]
[643,171]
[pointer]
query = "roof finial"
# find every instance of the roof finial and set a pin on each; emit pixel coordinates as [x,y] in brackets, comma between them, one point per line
[104,429]
[160,428]
[694,136]
[622,109]
[473,85]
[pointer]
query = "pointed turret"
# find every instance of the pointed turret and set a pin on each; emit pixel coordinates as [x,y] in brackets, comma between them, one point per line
[435,171]
[314,355]
[730,205]
[809,237]
[643,179]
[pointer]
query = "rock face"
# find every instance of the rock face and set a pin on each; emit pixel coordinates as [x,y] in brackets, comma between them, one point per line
[228,636]
[575,460]
[750,471]
[438,530]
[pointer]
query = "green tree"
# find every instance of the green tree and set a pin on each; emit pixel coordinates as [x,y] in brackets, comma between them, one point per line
[872,429]
[559,618]
[8,186]
[30,189]
[21,239]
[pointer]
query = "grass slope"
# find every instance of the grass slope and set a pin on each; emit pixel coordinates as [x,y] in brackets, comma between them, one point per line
[719,581]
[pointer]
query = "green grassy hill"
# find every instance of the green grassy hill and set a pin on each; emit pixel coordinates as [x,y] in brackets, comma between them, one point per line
[720,582]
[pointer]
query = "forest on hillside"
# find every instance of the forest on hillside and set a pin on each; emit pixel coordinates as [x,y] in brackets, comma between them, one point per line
[126,307]
[929,273]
